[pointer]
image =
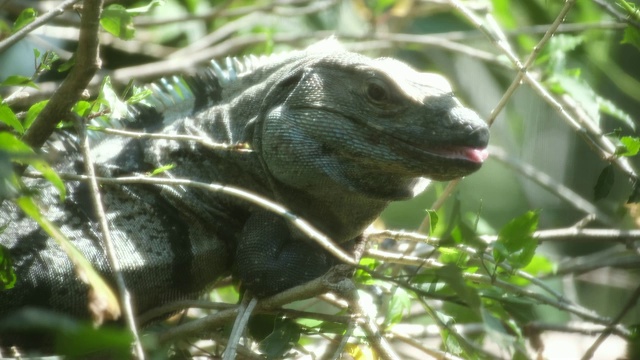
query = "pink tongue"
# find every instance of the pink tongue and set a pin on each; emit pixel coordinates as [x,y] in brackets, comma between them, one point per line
[476,155]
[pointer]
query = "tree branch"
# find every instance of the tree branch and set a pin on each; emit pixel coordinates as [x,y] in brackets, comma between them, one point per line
[71,89]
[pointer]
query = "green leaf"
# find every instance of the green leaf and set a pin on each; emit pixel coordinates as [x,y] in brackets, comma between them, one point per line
[70,337]
[362,276]
[117,21]
[433,220]
[631,146]
[103,301]
[452,275]
[18,80]
[580,90]
[109,98]
[604,183]
[538,266]
[145,9]
[285,335]
[65,66]
[26,17]
[8,117]
[46,61]
[631,36]
[7,176]
[7,275]
[555,53]
[33,112]
[607,107]
[399,304]
[22,153]
[452,343]
[515,242]
[82,108]
[190,5]
[162,169]
[452,256]
[139,93]
[330,327]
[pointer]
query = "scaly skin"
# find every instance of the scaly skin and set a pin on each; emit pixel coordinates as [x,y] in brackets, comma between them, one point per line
[335,137]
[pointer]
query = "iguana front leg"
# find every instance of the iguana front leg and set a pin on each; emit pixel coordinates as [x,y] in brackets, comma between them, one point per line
[270,259]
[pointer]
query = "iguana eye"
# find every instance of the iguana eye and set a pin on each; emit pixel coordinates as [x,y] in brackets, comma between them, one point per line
[377,90]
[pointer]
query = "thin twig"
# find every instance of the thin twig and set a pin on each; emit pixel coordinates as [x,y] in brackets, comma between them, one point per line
[369,326]
[560,302]
[602,145]
[608,7]
[125,296]
[245,310]
[435,354]
[308,290]
[633,300]
[570,234]
[41,20]
[253,198]
[545,181]
[177,137]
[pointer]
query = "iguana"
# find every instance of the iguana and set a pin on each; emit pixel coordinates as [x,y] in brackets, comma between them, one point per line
[334,136]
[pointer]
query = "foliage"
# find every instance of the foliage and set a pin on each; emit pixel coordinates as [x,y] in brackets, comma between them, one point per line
[481,264]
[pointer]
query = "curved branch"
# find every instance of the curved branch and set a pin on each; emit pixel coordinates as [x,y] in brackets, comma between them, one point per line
[41,20]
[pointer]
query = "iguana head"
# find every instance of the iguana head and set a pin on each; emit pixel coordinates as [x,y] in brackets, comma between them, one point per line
[374,126]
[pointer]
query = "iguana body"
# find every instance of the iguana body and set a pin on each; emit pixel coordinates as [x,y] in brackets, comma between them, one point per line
[334,137]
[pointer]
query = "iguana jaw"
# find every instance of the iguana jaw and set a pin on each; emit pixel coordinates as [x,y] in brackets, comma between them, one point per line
[472,154]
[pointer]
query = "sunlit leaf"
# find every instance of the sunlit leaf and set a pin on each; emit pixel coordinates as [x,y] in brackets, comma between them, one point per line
[33,112]
[359,352]
[139,94]
[608,107]
[14,147]
[103,303]
[109,98]
[82,108]
[364,277]
[7,275]
[116,20]
[631,36]
[631,146]
[515,243]
[26,17]
[46,61]
[162,169]
[8,117]
[18,80]
[433,220]
[146,8]
[399,304]
[451,255]
[538,266]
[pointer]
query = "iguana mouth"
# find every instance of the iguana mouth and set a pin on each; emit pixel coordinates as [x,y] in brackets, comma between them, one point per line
[472,154]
